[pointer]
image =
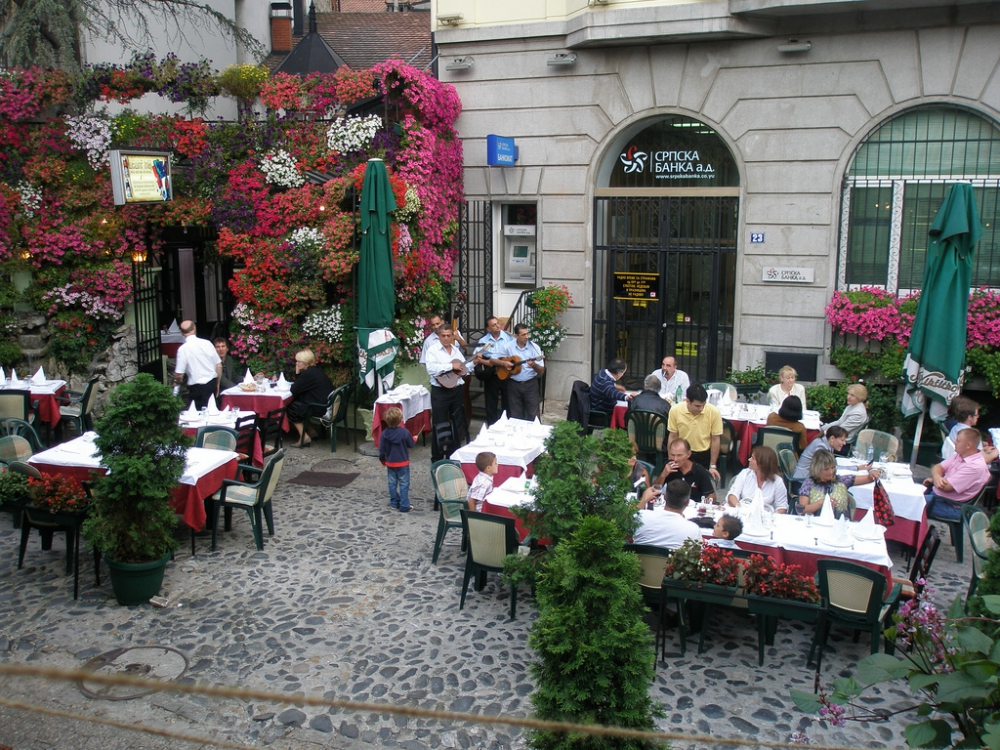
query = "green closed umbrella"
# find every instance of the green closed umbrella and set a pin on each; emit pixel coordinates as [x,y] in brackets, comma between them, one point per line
[935,359]
[376,303]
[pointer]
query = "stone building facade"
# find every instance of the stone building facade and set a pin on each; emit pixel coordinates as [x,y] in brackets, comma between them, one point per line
[825,133]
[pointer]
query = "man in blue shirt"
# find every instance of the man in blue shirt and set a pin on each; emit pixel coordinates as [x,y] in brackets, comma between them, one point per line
[605,391]
[523,392]
[494,389]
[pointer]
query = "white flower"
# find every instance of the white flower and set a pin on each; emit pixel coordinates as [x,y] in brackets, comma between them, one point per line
[352,133]
[31,198]
[411,209]
[308,238]
[325,324]
[280,169]
[548,336]
[90,134]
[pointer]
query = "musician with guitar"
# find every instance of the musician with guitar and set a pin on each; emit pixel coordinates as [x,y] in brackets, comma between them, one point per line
[486,360]
[446,366]
[522,366]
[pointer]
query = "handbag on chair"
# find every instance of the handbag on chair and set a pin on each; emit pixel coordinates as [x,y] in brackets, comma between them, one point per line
[882,506]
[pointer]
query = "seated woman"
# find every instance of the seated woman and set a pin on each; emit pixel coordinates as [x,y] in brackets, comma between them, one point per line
[855,416]
[785,387]
[789,416]
[762,474]
[823,481]
[311,386]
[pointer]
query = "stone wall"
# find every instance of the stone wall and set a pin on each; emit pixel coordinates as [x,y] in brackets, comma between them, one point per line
[116,364]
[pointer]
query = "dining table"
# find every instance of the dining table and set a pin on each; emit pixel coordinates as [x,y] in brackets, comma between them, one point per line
[226,418]
[516,443]
[204,471]
[909,506]
[259,402]
[170,342]
[513,492]
[747,419]
[45,396]
[415,403]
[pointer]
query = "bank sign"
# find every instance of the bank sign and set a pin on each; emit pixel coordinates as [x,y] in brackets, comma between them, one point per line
[666,165]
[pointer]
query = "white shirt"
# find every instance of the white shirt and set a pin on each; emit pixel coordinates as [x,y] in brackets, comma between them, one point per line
[433,339]
[440,361]
[664,528]
[197,359]
[776,396]
[745,487]
[668,387]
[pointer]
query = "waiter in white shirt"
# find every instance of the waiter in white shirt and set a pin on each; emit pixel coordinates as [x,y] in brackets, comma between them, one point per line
[445,357]
[197,359]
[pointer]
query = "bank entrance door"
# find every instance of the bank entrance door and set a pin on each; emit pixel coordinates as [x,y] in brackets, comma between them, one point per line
[664,282]
[666,212]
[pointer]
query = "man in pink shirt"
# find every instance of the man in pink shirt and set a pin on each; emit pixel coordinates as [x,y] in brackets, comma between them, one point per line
[958,478]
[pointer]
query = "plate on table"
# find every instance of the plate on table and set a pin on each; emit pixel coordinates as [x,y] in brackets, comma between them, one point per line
[837,543]
[875,536]
[185,417]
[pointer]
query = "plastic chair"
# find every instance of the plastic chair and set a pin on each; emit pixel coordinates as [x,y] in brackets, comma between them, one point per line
[956,526]
[729,453]
[882,442]
[253,497]
[14,448]
[648,430]
[921,567]
[16,405]
[270,430]
[14,426]
[786,462]
[981,542]
[652,562]
[450,491]
[216,437]
[336,406]
[776,438]
[490,539]
[246,433]
[856,599]
[46,529]
[77,407]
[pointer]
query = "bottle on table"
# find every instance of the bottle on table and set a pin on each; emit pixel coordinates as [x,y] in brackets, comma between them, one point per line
[679,395]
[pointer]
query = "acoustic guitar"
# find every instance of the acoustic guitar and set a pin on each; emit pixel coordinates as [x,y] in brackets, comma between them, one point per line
[450,378]
[503,373]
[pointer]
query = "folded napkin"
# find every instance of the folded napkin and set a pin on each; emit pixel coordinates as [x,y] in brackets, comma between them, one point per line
[213,409]
[192,411]
[13,378]
[826,514]
[226,410]
[839,535]
[754,525]
[536,422]
[483,431]
[248,378]
[3,376]
[39,376]
[174,328]
[282,384]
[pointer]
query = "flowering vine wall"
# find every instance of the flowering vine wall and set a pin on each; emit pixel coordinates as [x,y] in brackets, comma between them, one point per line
[293,241]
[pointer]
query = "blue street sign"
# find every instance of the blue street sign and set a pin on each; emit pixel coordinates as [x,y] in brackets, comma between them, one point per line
[500,151]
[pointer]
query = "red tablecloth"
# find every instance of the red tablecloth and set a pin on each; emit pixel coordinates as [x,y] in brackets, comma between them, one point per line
[417,425]
[806,560]
[257,459]
[48,406]
[746,432]
[79,473]
[503,510]
[504,473]
[169,350]
[260,403]
[189,500]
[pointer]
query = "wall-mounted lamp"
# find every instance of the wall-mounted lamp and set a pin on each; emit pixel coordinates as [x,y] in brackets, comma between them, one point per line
[139,255]
[563,58]
[26,254]
[794,45]
[449,19]
[460,63]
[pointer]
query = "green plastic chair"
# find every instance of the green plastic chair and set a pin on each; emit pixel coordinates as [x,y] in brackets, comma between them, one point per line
[652,561]
[648,430]
[490,539]
[216,437]
[13,426]
[981,542]
[450,497]
[253,497]
[77,406]
[336,407]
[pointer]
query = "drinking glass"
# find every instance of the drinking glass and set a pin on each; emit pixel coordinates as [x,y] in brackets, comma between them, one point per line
[883,457]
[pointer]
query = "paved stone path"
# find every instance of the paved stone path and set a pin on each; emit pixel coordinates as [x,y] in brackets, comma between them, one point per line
[344,603]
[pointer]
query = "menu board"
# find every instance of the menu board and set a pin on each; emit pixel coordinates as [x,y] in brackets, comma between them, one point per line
[141,176]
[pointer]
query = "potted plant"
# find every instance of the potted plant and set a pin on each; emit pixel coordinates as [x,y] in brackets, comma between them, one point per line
[55,500]
[131,522]
[13,491]
[750,380]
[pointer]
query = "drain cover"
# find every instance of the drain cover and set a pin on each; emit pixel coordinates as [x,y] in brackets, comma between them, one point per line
[152,662]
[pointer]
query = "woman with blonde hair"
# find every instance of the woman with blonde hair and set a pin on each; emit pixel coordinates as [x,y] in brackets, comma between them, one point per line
[855,416]
[762,474]
[785,387]
[823,481]
[311,386]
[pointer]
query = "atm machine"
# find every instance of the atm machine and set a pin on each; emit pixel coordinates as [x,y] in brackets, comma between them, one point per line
[520,253]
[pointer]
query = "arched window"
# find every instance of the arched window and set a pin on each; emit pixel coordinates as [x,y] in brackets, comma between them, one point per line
[895,186]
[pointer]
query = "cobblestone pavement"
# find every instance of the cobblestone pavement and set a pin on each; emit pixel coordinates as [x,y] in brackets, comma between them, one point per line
[344,603]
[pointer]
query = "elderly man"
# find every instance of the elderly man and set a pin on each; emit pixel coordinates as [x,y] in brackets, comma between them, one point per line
[668,528]
[671,381]
[649,398]
[198,360]
[491,347]
[446,400]
[957,479]
[700,424]
[435,322]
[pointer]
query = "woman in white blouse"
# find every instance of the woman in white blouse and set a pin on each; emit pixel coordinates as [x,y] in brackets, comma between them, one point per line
[762,474]
[785,387]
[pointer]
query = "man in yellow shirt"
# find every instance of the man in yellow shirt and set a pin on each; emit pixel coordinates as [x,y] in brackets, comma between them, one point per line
[700,423]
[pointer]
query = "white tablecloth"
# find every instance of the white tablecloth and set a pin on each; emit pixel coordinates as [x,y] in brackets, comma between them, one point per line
[48,388]
[512,493]
[201,461]
[412,399]
[282,393]
[758,413]
[222,419]
[515,442]
[906,496]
